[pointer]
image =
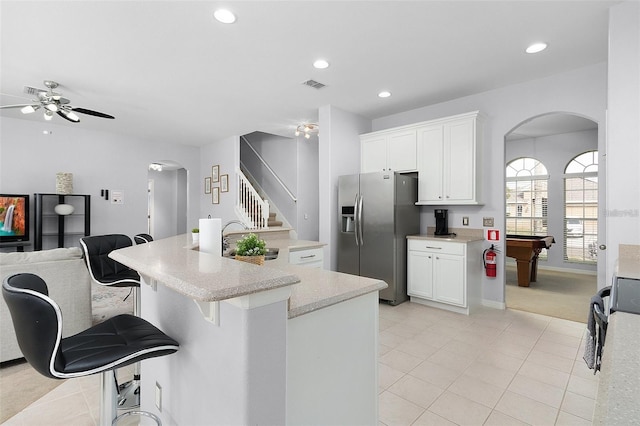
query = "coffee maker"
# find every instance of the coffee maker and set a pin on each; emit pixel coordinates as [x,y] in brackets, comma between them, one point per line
[442,222]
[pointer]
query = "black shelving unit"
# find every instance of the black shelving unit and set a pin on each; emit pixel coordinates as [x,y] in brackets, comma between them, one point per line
[44,204]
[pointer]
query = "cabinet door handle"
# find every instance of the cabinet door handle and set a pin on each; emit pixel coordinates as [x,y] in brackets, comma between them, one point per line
[308,257]
[435,248]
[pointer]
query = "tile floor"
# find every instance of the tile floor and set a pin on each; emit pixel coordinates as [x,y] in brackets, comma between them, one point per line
[491,368]
[436,368]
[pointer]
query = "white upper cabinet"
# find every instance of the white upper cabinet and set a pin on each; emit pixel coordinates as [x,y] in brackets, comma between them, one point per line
[445,153]
[448,161]
[388,151]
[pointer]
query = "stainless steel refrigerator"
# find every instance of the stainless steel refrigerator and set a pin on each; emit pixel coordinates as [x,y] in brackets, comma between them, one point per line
[377,211]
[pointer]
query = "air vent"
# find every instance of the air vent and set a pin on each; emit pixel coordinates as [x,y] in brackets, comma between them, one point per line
[314,84]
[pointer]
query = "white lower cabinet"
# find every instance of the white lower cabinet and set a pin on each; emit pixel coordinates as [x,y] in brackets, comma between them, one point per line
[312,257]
[444,274]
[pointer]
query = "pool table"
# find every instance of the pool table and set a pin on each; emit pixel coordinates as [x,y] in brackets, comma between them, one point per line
[525,249]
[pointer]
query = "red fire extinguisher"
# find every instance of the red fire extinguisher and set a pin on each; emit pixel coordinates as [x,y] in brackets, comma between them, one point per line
[489,258]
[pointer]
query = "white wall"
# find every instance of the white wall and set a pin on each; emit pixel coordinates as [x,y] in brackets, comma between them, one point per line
[582,92]
[308,184]
[226,154]
[623,150]
[338,154]
[29,161]
[555,152]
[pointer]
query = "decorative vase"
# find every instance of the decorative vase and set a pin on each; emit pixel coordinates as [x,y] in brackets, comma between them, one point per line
[256,260]
[64,183]
[195,236]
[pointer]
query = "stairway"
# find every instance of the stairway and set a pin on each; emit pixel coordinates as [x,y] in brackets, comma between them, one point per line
[272,222]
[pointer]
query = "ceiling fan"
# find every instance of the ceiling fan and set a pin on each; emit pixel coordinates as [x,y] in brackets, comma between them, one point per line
[52,102]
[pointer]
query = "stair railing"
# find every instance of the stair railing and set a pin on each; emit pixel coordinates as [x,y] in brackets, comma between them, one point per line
[251,206]
[275,176]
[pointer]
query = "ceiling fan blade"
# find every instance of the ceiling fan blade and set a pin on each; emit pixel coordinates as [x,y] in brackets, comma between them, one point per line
[15,106]
[67,116]
[94,113]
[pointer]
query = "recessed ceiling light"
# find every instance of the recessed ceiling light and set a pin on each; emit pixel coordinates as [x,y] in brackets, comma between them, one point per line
[46,132]
[321,64]
[384,94]
[536,47]
[225,16]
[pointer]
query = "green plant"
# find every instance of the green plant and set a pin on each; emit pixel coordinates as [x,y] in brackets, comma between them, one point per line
[195,230]
[250,245]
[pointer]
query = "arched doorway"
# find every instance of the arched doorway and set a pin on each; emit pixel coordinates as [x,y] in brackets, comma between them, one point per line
[554,139]
[167,199]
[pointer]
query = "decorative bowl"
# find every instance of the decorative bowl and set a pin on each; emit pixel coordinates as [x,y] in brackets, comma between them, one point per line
[63,209]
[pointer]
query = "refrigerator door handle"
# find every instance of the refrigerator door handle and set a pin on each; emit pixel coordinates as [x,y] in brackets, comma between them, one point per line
[360,221]
[355,219]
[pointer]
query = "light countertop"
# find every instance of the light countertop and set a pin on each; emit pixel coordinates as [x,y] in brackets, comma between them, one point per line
[455,239]
[176,263]
[628,261]
[618,401]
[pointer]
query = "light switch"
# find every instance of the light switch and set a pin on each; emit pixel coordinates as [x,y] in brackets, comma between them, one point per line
[465,221]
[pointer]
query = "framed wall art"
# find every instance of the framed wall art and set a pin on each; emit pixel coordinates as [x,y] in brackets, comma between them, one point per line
[207,185]
[224,183]
[215,174]
[215,195]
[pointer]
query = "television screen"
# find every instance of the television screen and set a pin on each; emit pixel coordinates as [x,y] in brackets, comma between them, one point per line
[14,218]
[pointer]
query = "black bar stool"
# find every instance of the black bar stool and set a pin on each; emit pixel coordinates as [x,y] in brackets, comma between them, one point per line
[142,238]
[116,342]
[107,272]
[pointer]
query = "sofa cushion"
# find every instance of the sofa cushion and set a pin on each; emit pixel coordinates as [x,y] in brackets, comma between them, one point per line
[18,258]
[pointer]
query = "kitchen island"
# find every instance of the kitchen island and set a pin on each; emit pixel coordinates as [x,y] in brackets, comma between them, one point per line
[273,344]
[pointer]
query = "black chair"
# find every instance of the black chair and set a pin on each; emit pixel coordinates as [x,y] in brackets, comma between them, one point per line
[107,272]
[114,343]
[142,238]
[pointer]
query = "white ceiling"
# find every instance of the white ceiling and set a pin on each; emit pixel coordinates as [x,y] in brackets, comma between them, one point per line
[168,72]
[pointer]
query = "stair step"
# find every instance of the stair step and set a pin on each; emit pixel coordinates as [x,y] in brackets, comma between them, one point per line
[272,215]
[274,223]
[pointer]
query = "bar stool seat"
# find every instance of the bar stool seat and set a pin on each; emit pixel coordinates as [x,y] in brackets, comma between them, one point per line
[116,342]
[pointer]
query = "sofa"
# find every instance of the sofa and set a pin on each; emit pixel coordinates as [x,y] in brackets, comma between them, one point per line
[65,272]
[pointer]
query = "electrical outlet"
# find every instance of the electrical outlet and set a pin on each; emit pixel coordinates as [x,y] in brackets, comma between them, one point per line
[158,396]
[487,221]
[465,221]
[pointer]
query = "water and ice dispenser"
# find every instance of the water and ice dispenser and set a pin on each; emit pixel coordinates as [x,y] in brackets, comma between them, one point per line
[348,219]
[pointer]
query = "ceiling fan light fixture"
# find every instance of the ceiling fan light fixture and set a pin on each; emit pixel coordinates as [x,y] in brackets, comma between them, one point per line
[29,109]
[48,115]
[307,129]
[73,116]
[52,107]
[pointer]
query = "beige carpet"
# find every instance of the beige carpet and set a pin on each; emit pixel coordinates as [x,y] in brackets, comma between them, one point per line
[21,385]
[557,294]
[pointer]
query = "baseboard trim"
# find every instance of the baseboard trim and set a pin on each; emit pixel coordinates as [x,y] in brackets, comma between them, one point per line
[493,304]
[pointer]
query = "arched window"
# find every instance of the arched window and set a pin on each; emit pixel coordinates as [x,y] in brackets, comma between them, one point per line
[581,208]
[526,194]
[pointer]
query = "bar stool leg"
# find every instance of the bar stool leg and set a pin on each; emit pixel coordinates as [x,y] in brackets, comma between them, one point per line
[108,397]
[129,392]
